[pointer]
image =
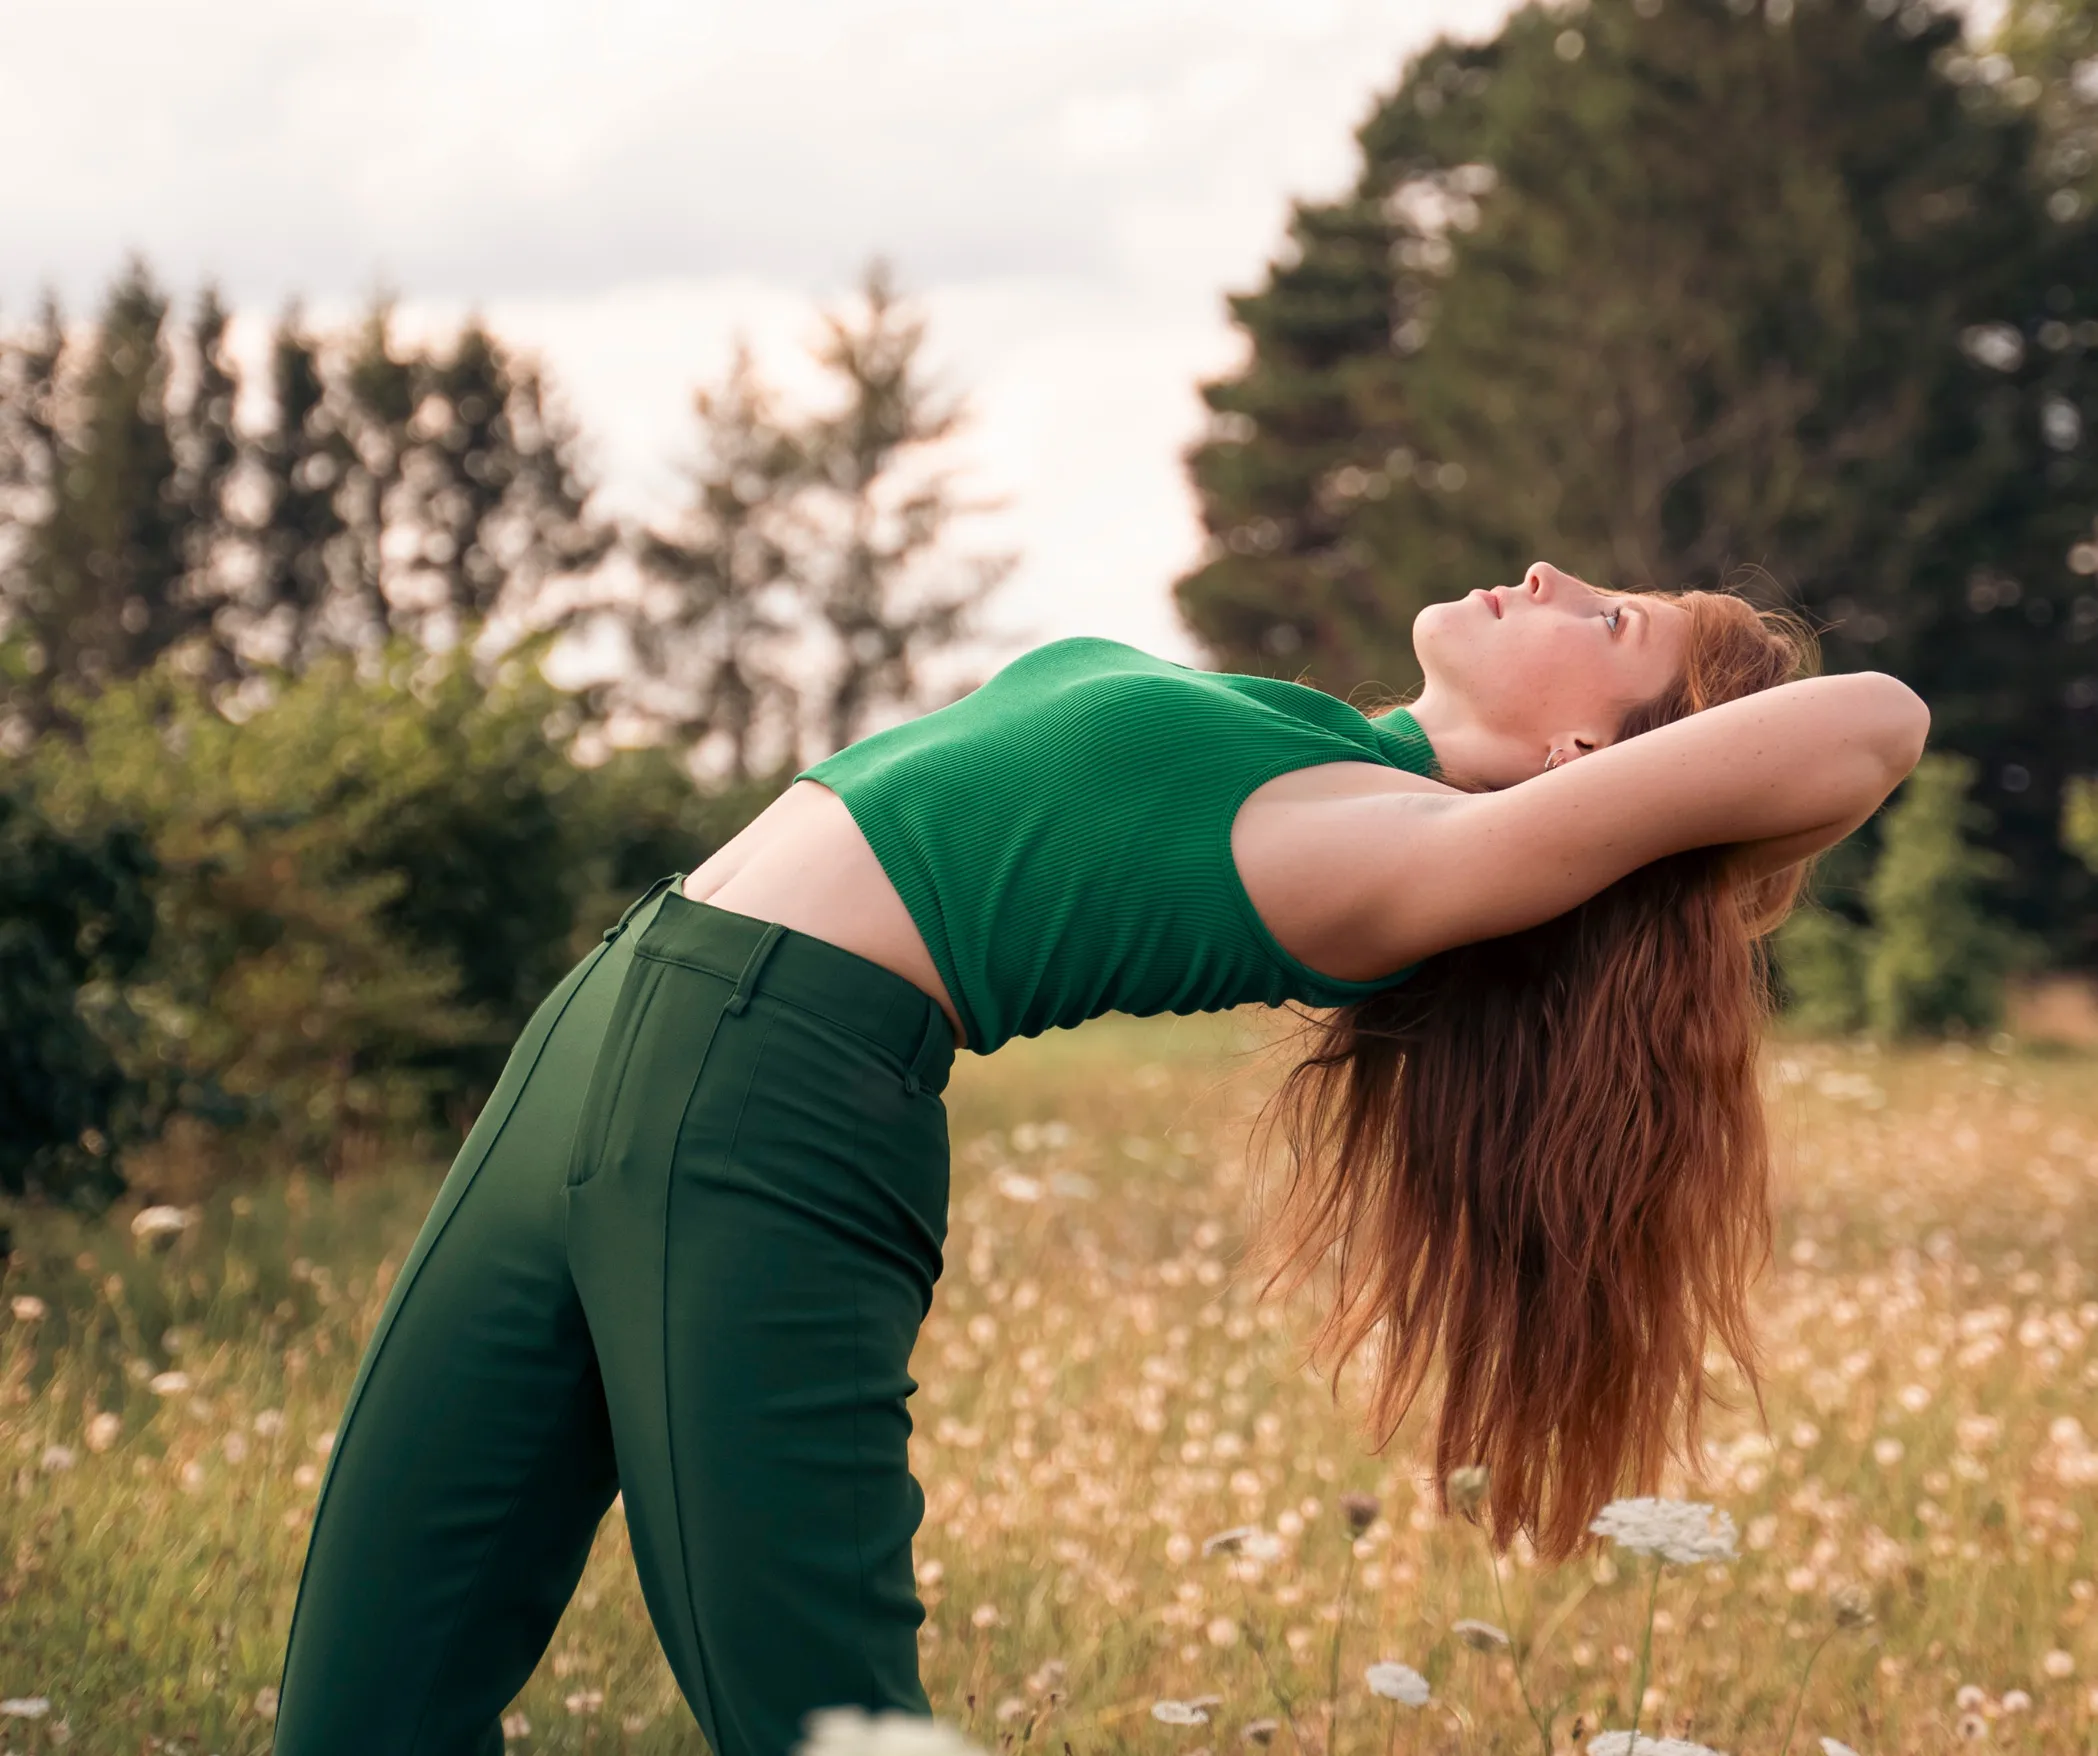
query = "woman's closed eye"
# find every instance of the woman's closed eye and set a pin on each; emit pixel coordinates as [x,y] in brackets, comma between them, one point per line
[1613,616]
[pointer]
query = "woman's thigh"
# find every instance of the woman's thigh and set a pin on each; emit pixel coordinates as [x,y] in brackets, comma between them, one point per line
[474,1460]
[756,1248]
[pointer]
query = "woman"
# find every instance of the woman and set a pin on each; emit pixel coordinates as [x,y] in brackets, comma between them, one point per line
[685,1251]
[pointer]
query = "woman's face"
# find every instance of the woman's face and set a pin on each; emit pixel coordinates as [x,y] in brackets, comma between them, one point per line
[1550,665]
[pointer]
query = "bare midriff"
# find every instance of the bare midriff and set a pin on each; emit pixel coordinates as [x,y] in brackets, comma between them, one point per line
[804,863]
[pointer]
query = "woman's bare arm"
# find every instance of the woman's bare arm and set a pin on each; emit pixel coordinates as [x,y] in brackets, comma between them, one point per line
[1785,772]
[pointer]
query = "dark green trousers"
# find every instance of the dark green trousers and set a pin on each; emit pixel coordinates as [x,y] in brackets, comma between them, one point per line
[683,1256]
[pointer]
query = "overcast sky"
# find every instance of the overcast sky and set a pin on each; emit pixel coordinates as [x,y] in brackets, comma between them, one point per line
[1070,187]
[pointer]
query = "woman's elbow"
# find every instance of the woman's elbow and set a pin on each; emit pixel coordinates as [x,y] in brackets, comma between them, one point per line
[1908,727]
[1897,722]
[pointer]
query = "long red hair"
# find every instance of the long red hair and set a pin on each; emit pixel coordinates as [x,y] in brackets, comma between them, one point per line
[1543,1157]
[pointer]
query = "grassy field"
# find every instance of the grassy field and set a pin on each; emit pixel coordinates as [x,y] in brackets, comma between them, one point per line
[1102,1391]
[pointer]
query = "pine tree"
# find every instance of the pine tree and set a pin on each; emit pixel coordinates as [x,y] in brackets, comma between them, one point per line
[719,637]
[113,561]
[302,459]
[871,566]
[1660,289]
[494,488]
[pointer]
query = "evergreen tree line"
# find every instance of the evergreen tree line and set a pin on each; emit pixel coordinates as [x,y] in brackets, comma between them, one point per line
[292,834]
[1796,293]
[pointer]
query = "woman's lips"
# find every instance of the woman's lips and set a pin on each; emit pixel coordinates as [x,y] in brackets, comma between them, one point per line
[1492,603]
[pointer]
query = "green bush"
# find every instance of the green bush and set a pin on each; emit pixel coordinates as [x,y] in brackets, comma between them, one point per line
[275,997]
[74,920]
[1930,957]
[364,887]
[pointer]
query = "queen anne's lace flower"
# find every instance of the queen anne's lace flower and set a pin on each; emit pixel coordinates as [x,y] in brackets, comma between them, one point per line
[1248,1540]
[1179,1713]
[1621,1744]
[1396,1682]
[1684,1531]
[852,1731]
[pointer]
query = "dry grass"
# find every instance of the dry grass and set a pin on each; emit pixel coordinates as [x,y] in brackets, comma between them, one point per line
[1102,1392]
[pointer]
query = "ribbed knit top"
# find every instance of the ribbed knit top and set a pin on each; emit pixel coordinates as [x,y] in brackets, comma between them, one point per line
[1062,834]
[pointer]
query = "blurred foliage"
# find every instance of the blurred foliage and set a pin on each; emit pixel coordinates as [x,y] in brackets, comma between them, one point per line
[362,889]
[389,490]
[1930,956]
[74,923]
[2080,820]
[1665,291]
[303,834]
[794,598]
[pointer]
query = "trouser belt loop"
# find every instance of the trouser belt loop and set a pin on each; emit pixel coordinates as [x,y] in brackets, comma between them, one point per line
[925,1057]
[753,963]
[641,902]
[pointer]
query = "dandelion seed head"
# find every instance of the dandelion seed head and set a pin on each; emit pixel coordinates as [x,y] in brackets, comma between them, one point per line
[1971,1728]
[1688,1532]
[1179,1713]
[1466,1488]
[1360,1510]
[1851,1605]
[2015,1701]
[1397,1682]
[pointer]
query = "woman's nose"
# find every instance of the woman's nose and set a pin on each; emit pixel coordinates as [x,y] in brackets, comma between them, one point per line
[1543,580]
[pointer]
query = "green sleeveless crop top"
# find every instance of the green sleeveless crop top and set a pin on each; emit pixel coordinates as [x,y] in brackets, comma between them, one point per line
[1062,834]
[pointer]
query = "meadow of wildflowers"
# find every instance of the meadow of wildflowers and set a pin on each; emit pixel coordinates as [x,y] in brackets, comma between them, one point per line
[1147,1526]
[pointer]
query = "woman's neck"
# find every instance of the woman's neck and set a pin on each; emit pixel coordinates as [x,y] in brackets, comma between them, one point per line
[1467,754]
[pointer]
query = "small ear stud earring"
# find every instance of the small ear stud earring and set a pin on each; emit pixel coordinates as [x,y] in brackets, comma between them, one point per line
[1553,760]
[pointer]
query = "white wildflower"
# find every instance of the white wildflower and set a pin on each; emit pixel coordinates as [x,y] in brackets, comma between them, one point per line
[1248,1540]
[27,1307]
[1621,1744]
[852,1731]
[1396,1682]
[168,1383]
[57,1457]
[1836,1747]
[1179,1713]
[1479,1636]
[161,1225]
[2058,1664]
[584,1701]
[102,1430]
[1684,1531]
[25,1707]
[515,1725]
